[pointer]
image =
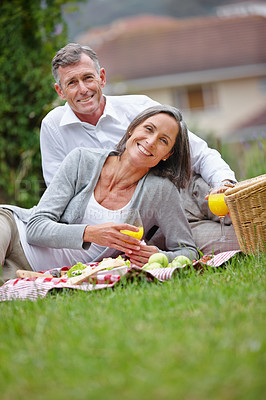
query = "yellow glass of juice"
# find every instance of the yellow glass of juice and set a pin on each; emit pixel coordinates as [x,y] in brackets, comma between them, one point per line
[218,207]
[137,235]
[217,204]
[132,217]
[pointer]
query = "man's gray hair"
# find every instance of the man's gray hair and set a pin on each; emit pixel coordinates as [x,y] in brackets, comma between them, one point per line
[70,54]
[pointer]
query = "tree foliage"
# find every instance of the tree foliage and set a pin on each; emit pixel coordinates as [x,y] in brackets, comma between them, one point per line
[30,34]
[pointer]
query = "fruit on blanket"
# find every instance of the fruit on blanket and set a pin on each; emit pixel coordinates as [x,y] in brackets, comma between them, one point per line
[179,261]
[153,265]
[146,266]
[159,258]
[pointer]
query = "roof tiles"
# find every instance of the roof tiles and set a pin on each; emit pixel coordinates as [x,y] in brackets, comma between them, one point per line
[150,46]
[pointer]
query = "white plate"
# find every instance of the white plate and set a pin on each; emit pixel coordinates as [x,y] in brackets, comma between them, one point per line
[114,271]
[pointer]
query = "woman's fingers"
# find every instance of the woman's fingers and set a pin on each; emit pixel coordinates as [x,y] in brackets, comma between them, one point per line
[123,246]
[142,256]
[110,235]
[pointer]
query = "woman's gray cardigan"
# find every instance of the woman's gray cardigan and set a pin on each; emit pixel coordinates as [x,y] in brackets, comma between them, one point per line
[55,221]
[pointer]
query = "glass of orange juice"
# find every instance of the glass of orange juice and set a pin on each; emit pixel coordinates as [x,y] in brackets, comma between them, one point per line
[132,217]
[218,207]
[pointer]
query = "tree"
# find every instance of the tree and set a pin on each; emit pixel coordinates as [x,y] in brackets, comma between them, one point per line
[30,34]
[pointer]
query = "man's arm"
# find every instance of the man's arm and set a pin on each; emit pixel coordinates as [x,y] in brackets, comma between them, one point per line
[205,161]
[208,162]
[52,150]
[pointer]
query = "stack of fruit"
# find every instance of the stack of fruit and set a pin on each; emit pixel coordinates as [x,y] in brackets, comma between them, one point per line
[159,260]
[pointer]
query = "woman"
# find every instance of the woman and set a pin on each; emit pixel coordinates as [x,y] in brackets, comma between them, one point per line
[75,219]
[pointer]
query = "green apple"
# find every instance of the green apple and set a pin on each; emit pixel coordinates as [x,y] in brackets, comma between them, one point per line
[146,266]
[159,258]
[181,260]
[153,265]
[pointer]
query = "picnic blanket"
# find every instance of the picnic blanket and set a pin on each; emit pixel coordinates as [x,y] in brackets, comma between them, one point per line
[39,287]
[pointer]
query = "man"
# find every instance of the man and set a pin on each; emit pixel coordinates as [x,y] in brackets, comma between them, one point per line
[90,119]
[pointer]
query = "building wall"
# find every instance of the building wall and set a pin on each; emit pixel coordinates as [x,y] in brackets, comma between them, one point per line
[237,101]
[240,101]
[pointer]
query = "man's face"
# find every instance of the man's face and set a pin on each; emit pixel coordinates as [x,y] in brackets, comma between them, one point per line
[81,86]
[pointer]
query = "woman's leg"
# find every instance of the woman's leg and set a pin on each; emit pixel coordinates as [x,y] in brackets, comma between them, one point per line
[12,256]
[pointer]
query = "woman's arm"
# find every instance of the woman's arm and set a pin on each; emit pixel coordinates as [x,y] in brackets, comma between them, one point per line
[55,221]
[164,203]
[52,223]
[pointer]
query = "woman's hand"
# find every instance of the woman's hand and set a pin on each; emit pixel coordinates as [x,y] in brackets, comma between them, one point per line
[142,256]
[109,235]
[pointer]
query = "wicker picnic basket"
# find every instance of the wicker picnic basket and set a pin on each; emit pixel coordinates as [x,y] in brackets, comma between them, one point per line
[246,203]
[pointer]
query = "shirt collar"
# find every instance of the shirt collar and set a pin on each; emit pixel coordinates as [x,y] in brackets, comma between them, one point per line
[110,110]
[70,117]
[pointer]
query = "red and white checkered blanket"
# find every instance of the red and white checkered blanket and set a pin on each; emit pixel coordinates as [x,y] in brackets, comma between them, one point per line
[38,287]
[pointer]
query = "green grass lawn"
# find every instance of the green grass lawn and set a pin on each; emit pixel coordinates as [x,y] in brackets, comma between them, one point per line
[195,337]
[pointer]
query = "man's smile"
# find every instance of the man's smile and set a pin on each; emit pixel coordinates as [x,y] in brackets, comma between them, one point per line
[85,99]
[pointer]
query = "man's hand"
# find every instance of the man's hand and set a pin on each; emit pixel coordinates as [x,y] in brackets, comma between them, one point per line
[221,188]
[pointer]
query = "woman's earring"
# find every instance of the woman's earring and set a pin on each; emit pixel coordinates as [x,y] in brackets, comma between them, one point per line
[164,159]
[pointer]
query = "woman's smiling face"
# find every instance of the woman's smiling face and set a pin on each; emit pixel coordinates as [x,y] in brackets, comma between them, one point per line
[152,140]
